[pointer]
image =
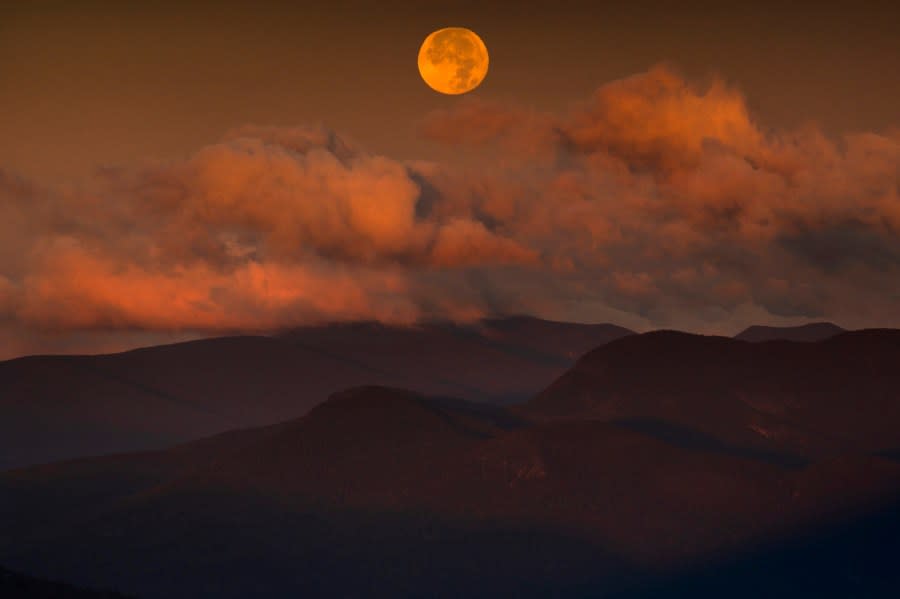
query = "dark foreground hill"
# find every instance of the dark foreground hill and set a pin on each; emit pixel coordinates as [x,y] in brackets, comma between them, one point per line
[59,407]
[383,492]
[815,331]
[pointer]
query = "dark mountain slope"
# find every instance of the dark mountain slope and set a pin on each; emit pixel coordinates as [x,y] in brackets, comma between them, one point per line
[58,407]
[805,399]
[499,360]
[551,338]
[389,493]
[815,331]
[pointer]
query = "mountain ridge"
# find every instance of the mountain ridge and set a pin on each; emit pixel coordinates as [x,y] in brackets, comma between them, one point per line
[58,407]
[810,332]
[775,395]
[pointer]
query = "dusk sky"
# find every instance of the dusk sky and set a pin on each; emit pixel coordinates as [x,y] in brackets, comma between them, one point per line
[170,171]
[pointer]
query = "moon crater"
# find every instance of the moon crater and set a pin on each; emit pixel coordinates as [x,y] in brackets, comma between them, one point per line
[453,60]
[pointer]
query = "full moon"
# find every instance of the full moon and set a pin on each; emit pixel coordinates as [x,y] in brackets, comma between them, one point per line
[453,60]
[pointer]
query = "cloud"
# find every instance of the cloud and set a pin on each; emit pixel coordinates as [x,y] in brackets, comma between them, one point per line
[279,195]
[268,228]
[656,202]
[75,289]
[667,200]
[657,120]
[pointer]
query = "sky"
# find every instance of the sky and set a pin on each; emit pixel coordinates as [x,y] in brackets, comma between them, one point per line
[171,171]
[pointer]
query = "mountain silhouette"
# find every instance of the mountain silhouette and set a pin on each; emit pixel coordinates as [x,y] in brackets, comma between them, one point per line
[815,331]
[387,492]
[803,400]
[61,407]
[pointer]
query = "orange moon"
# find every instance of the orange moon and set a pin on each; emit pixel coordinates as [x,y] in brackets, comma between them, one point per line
[453,60]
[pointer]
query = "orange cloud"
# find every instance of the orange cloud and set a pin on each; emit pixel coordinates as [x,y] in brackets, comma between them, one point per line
[74,289]
[654,175]
[657,119]
[657,201]
[269,228]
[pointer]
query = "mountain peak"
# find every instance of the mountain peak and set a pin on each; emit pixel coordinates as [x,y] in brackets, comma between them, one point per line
[364,396]
[373,411]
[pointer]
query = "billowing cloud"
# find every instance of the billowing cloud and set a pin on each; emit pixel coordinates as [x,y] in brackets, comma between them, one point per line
[667,200]
[266,229]
[655,202]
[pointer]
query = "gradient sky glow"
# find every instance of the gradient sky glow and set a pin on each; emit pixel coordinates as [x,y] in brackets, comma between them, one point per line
[94,83]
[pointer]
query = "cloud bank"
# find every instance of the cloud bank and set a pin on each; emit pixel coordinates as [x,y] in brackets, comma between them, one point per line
[653,203]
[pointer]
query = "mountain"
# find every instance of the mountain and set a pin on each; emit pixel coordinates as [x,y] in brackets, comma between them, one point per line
[802,400]
[386,492]
[496,360]
[815,331]
[550,338]
[60,407]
